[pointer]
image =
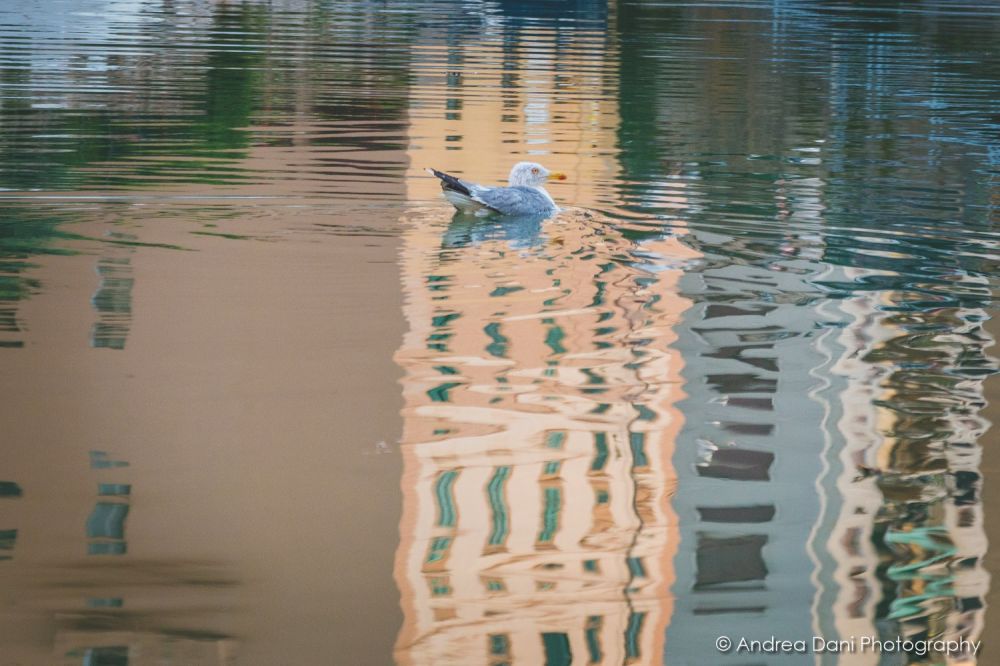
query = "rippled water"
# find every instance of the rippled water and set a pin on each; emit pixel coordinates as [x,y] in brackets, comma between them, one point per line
[265,400]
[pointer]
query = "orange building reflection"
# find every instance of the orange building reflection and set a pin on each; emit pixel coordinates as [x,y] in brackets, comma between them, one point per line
[539,383]
[539,425]
[545,94]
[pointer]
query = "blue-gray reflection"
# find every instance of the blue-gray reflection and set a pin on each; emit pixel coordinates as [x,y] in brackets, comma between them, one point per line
[518,232]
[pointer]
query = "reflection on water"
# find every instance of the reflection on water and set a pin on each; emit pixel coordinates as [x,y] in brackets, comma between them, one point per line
[538,432]
[113,299]
[734,389]
[106,523]
[8,537]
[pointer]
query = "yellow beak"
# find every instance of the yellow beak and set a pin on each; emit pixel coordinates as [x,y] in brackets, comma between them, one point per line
[556,175]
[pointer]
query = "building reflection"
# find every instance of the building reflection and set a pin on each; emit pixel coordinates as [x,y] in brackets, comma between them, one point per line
[909,540]
[828,467]
[153,563]
[539,380]
[751,452]
[552,97]
[106,522]
[113,298]
[539,425]
[8,537]
[829,457]
[606,446]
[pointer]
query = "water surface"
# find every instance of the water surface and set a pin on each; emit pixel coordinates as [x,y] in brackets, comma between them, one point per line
[266,400]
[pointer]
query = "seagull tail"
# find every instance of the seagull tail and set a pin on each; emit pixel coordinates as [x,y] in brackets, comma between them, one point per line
[450,183]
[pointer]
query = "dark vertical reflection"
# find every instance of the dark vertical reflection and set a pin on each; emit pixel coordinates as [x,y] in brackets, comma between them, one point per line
[113,298]
[106,523]
[8,536]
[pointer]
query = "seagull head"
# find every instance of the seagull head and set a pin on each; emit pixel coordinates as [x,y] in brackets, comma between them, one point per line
[532,174]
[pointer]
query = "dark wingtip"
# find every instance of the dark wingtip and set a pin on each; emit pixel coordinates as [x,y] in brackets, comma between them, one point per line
[449,182]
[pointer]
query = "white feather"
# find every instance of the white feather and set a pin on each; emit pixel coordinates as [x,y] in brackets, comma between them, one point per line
[461,201]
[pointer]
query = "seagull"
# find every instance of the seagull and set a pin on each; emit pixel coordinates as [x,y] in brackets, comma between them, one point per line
[523,196]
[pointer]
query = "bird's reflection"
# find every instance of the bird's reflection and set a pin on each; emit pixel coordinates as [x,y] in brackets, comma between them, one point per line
[517,232]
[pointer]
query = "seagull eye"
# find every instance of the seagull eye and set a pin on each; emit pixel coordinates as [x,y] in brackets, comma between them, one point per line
[534,171]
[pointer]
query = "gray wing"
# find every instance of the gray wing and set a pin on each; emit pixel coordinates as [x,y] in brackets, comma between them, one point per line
[513,200]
